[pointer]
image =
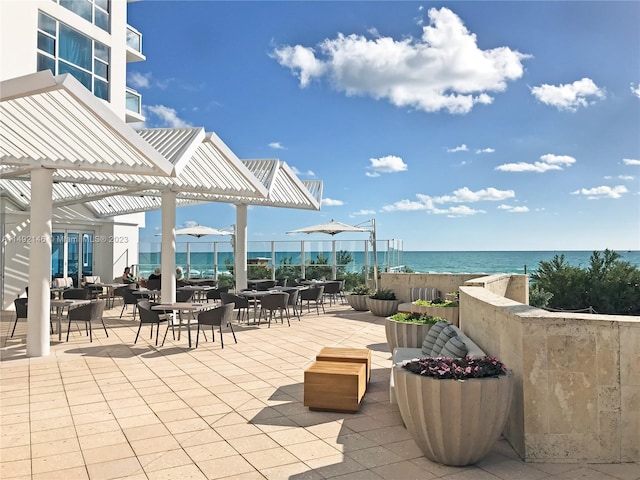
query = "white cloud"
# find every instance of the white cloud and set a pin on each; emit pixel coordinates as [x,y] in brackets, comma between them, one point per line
[139,80]
[463,195]
[388,164]
[549,162]
[277,146]
[161,116]
[364,212]
[630,161]
[512,209]
[444,69]
[308,173]
[568,96]
[330,202]
[635,90]
[485,150]
[190,223]
[602,191]
[626,177]
[460,148]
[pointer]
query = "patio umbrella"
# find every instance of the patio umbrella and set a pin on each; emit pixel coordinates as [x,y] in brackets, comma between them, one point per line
[330,228]
[333,228]
[197,231]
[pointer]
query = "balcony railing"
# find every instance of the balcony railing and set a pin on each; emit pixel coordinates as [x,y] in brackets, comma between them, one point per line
[134,45]
[133,101]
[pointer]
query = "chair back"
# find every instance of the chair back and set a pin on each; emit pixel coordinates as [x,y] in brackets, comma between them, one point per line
[89,279]
[215,293]
[76,294]
[274,301]
[293,296]
[91,312]
[184,295]
[21,307]
[154,284]
[312,293]
[332,287]
[146,314]
[266,285]
[217,316]
[240,302]
[281,282]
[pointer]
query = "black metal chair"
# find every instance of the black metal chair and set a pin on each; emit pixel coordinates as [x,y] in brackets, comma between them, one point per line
[240,303]
[315,295]
[151,317]
[184,296]
[88,314]
[21,311]
[275,302]
[129,298]
[216,317]
[215,294]
[332,291]
[154,284]
[294,295]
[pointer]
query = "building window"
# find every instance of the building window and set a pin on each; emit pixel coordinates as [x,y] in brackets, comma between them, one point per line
[62,49]
[94,11]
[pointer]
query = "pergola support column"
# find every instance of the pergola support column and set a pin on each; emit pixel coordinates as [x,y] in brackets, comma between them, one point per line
[39,310]
[240,254]
[168,255]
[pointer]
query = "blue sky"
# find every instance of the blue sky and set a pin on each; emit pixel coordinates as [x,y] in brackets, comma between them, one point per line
[457,125]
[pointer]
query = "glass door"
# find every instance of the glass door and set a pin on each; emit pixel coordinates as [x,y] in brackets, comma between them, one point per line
[72,255]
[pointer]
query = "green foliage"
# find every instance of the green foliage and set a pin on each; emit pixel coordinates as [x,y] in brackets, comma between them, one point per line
[384,294]
[225,281]
[415,317]
[609,285]
[436,303]
[539,297]
[361,289]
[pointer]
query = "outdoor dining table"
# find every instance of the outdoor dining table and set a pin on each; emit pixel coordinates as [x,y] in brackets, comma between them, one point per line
[182,307]
[60,305]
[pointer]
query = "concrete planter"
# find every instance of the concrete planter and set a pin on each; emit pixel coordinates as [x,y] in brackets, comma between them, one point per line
[450,314]
[357,302]
[453,422]
[404,334]
[382,308]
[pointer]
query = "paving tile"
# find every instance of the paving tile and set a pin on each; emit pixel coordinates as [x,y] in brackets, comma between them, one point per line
[229,467]
[272,457]
[183,472]
[122,468]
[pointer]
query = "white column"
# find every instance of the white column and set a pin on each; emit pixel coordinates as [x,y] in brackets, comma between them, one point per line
[240,254]
[334,269]
[168,255]
[39,309]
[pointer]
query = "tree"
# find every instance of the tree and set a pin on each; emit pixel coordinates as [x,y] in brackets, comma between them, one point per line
[609,285]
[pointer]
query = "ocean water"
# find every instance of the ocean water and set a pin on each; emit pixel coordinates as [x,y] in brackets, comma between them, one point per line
[421,262]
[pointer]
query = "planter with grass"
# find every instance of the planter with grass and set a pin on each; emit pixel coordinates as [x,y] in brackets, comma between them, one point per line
[447,309]
[407,329]
[357,299]
[383,303]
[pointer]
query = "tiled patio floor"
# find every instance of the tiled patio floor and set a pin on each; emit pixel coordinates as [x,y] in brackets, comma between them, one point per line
[111,409]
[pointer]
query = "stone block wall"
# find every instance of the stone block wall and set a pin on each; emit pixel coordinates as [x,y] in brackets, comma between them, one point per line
[577,394]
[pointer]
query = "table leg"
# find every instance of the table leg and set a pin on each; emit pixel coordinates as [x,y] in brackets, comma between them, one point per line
[189,327]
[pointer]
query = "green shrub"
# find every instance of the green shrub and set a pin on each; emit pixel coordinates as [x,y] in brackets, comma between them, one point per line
[361,289]
[436,303]
[384,294]
[415,317]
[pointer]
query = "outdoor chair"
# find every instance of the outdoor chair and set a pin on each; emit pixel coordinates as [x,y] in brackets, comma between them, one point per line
[77,294]
[216,317]
[294,294]
[129,298]
[315,295]
[154,284]
[183,296]
[21,311]
[240,303]
[152,317]
[215,293]
[89,313]
[332,291]
[275,302]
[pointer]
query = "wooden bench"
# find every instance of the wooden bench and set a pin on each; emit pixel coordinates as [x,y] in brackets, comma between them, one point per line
[334,386]
[348,355]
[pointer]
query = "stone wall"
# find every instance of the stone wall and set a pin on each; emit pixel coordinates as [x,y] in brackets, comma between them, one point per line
[577,393]
[515,287]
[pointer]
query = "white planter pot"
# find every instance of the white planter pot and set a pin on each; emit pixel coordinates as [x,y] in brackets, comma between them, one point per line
[404,334]
[357,302]
[382,308]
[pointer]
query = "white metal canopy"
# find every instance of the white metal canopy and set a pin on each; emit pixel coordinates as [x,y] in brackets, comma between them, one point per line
[55,122]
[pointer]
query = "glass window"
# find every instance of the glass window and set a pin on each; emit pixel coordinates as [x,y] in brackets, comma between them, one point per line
[62,49]
[94,11]
[75,47]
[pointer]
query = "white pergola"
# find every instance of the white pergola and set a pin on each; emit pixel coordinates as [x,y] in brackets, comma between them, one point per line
[50,124]
[59,146]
